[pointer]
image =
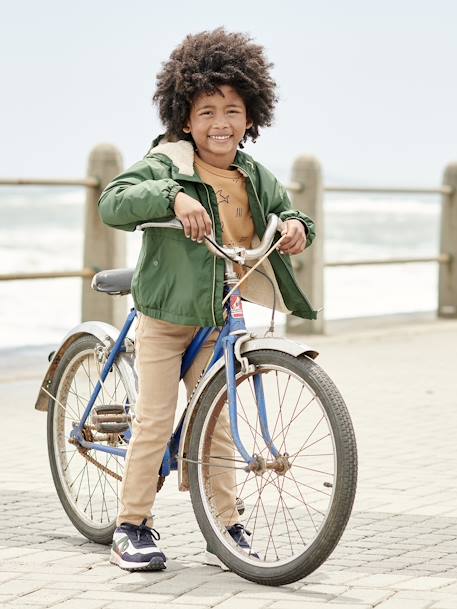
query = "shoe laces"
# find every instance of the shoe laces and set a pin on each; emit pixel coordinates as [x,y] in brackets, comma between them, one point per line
[241,528]
[146,535]
[238,529]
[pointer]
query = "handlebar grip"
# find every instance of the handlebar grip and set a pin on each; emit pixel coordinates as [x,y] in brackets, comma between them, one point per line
[174,223]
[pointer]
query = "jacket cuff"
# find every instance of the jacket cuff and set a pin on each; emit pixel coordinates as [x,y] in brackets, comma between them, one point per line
[292,214]
[172,194]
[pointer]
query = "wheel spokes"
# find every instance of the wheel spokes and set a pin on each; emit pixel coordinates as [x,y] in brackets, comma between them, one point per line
[284,509]
[89,486]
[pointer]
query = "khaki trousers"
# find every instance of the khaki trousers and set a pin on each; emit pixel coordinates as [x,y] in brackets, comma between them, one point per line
[159,347]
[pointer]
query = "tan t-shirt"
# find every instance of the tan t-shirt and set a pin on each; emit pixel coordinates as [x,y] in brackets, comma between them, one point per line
[238,229]
[232,200]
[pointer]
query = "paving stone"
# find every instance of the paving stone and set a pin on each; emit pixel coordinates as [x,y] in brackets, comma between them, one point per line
[450,589]
[404,603]
[240,603]
[281,594]
[16,552]
[357,595]
[323,591]
[45,557]
[179,585]
[425,583]
[150,605]
[7,575]
[75,603]
[294,604]
[444,604]
[439,569]
[110,595]
[415,572]
[428,595]
[201,596]
[44,597]
[83,560]
[381,580]
[51,569]
[84,586]
[18,587]
[321,576]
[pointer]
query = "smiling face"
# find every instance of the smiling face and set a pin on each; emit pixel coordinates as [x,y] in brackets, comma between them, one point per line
[218,123]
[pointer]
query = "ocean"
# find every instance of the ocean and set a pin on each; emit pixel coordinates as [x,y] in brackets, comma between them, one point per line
[41,229]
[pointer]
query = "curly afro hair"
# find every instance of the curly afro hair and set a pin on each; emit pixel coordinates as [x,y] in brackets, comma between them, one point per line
[205,61]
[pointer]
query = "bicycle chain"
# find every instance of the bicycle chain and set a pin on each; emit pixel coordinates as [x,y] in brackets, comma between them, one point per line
[104,468]
[84,452]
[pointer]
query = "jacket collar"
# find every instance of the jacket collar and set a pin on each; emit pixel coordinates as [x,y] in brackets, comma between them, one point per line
[181,154]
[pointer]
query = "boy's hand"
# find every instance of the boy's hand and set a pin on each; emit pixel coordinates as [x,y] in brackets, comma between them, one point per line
[295,241]
[193,216]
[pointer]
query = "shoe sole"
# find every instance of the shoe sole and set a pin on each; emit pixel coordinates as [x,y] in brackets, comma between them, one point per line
[155,564]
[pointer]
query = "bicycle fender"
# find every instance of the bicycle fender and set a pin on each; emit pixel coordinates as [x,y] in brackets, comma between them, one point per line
[101,330]
[254,344]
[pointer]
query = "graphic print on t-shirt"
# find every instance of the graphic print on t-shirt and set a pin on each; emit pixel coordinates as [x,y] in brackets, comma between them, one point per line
[222,197]
[232,201]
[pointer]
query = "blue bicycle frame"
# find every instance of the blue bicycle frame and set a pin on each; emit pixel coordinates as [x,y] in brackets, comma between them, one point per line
[224,347]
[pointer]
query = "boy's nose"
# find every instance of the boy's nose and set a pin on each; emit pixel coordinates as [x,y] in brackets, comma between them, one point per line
[220,122]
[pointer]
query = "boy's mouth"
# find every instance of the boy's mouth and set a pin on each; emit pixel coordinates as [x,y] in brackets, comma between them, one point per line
[219,138]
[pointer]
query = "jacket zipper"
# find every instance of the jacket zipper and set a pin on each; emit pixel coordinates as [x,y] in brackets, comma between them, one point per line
[246,175]
[214,257]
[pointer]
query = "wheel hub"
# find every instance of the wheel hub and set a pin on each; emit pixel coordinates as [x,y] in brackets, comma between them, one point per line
[260,465]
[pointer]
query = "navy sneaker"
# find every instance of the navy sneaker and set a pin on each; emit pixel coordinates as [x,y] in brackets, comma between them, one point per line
[237,532]
[134,548]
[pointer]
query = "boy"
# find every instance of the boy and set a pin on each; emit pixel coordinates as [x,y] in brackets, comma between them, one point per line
[213,93]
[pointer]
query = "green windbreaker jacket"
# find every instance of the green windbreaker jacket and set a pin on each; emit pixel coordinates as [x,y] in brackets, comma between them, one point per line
[177,279]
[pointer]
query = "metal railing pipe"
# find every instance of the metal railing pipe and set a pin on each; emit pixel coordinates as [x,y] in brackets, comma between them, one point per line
[442,259]
[85,273]
[443,190]
[88,182]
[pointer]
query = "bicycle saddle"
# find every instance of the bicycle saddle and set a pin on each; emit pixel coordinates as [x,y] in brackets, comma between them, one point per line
[117,281]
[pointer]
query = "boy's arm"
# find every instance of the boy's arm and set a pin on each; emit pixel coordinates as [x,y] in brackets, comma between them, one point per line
[136,196]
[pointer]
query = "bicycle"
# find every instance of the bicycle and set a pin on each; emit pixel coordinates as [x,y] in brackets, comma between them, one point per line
[294,459]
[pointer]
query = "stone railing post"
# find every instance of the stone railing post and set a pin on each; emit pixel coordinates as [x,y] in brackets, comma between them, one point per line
[447,286]
[309,270]
[104,247]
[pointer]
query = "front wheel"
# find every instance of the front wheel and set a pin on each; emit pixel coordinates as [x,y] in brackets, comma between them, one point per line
[297,506]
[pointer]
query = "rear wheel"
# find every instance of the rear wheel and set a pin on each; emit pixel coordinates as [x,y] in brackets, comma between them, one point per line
[88,481]
[297,506]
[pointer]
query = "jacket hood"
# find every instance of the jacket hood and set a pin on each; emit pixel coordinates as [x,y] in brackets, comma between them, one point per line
[181,153]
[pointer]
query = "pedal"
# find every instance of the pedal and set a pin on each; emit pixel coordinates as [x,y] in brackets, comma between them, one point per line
[110,418]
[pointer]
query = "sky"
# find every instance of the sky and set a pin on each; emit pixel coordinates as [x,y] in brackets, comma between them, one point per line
[368,88]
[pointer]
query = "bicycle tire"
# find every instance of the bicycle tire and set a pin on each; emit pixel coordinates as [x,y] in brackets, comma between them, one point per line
[343,488]
[66,409]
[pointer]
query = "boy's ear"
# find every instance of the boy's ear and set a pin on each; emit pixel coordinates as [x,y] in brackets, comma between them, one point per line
[249,123]
[186,127]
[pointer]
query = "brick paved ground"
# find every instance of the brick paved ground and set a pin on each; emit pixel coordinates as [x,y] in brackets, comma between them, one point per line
[398,552]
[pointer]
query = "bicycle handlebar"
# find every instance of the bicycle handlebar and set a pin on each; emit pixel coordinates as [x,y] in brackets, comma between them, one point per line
[236,253]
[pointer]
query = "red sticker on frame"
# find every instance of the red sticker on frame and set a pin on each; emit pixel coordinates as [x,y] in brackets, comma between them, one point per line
[236,309]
